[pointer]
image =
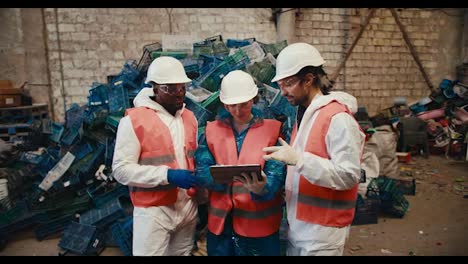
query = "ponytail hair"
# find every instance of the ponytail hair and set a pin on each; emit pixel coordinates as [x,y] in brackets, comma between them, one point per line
[321,79]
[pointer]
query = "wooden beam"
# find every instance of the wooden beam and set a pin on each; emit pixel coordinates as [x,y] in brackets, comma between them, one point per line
[350,50]
[412,49]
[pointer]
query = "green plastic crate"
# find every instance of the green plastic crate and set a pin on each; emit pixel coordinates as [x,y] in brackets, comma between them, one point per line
[263,72]
[274,48]
[212,103]
[212,79]
[175,54]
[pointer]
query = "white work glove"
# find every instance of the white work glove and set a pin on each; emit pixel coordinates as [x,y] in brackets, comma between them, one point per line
[284,153]
[252,183]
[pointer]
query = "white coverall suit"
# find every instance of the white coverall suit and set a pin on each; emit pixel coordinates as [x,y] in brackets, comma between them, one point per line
[343,171]
[158,230]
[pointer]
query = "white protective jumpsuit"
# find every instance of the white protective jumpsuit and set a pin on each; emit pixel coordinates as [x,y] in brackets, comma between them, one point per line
[343,171]
[159,230]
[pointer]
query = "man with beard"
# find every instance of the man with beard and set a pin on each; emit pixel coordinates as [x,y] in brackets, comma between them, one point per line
[154,149]
[323,158]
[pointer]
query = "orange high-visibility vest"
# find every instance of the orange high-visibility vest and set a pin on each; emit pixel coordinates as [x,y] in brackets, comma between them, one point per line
[157,149]
[250,218]
[317,204]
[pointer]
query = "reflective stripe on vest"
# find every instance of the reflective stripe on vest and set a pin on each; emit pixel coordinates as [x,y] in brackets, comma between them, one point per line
[317,204]
[250,218]
[157,149]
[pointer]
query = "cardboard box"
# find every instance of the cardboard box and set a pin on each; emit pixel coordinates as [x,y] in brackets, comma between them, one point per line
[10,100]
[10,97]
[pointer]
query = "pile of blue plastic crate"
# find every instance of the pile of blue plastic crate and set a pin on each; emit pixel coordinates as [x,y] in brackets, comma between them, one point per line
[83,203]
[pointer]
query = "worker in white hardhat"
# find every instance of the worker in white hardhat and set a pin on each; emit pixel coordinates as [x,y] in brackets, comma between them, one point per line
[154,156]
[244,216]
[324,155]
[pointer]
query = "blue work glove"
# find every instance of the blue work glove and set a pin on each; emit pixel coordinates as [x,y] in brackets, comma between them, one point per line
[182,178]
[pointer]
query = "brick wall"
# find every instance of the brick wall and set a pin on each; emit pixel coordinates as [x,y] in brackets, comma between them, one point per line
[11,46]
[96,42]
[381,66]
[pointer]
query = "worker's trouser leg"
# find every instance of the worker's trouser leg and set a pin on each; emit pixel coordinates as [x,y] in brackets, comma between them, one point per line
[151,239]
[231,244]
[222,245]
[257,246]
[181,243]
[302,251]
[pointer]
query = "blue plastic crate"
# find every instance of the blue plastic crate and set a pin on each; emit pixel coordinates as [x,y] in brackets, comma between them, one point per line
[31,157]
[367,211]
[57,131]
[212,79]
[284,112]
[207,62]
[54,226]
[70,135]
[102,217]
[17,211]
[122,232]
[118,99]
[236,43]
[146,59]
[203,115]
[87,163]
[57,207]
[102,195]
[81,150]
[81,239]
[99,136]
[74,116]
[129,73]
[98,94]
[112,122]
[190,65]
[23,223]
[392,200]
[51,157]
[96,115]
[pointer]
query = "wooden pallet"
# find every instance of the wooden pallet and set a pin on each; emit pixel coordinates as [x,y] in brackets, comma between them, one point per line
[23,114]
[12,132]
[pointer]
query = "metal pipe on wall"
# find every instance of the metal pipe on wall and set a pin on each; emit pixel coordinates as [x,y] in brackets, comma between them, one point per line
[49,79]
[64,96]
[286,25]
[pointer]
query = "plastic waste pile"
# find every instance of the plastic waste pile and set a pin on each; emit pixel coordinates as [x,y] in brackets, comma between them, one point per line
[61,179]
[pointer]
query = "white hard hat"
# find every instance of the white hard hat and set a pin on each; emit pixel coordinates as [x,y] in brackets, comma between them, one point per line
[295,57]
[166,70]
[237,87]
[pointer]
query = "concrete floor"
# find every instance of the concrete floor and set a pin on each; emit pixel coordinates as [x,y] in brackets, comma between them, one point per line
[435,224]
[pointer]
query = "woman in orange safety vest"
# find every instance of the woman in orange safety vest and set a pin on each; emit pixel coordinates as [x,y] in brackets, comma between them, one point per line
[243,216]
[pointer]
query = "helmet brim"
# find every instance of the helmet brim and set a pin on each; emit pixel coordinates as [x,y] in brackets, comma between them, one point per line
[238,99]
[184,80]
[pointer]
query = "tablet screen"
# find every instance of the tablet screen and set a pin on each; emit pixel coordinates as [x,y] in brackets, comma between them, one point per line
[225,173]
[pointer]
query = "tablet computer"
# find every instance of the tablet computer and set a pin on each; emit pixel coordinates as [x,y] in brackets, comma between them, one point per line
[225,173]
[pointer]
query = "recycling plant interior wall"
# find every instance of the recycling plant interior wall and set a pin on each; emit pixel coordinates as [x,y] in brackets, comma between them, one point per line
[95,43]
